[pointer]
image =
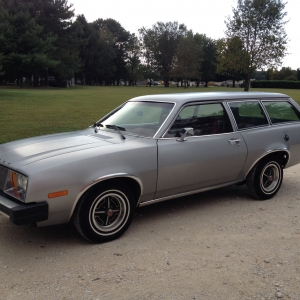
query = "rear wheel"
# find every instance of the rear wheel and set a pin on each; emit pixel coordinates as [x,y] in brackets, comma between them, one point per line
[265,178]
[104,213]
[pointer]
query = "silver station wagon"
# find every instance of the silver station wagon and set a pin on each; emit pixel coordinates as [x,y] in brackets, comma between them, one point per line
[150,149]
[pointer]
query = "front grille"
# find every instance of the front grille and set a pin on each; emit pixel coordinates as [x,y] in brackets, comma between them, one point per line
[3,175]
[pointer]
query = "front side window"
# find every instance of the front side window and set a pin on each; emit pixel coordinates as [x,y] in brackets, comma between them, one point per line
[138,118]
[205,119]
[281,111]
[248,114]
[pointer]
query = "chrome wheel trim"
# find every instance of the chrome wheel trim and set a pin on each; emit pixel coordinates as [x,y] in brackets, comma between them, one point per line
[270,178]
[109,212]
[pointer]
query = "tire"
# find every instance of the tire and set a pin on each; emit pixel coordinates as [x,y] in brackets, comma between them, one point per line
[265,179]
[105,212]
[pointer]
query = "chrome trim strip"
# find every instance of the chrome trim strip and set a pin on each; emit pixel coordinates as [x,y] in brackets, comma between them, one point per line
[189,193]
[166,119]
[103,178]
[196,102]
[266,112]
[198,136]
[137,135]
[254,127]
[281,100]
[267,153]
[286,123]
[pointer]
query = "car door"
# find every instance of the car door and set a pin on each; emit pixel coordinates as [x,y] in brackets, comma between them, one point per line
[213,155]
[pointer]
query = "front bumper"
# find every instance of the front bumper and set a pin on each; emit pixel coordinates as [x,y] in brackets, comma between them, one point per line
[25,213]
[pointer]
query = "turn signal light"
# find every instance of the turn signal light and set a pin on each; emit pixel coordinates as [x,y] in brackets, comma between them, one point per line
[57,194]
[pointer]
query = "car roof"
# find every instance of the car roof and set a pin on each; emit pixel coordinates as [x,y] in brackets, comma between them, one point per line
[205,96]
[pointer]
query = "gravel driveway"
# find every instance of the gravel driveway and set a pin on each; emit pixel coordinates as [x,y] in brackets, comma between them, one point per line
[220,244]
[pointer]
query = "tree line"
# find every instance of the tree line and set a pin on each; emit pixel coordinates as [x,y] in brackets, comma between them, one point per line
[42,39]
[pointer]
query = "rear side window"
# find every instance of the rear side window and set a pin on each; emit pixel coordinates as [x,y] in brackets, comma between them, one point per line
[281,111]
[248,114]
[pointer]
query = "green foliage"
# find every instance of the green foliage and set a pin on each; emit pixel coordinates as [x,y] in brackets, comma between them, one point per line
[40,38]
[160,45]
[286,73]
[186,59]
[232,58]
[280,84]
[103,47]
[133,59]
[259,24]
[25,46]
[1,58]
[120,41]
[37,36]
[207,57]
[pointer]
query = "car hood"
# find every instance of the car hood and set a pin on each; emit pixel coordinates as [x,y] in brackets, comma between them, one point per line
[22,152]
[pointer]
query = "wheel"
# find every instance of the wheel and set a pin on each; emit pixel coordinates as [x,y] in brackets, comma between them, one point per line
[105,212]
[265,178]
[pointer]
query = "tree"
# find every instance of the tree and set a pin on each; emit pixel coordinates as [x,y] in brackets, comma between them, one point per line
[260,26]
[298,74]
[232,58]
[55,16]
[25,46]
[84,35]
[160,45]
[286,73]
[1,71]
[208,57]
[120,40]
[149,67]
[186,59]
[133,54]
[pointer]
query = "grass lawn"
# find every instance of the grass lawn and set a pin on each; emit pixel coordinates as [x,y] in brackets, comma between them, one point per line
[30,112]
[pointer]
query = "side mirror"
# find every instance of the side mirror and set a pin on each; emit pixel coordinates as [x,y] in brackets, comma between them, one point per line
[187,132]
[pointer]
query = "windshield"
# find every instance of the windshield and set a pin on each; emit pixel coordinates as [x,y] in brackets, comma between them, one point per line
[138,118]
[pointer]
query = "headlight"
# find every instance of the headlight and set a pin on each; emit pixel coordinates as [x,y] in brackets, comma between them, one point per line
[16,185]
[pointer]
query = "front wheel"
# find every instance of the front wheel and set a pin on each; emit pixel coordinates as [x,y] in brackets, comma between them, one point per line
[265,179]
[105,212]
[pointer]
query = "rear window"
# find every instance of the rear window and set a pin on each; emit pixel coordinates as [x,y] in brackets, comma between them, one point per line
[248,114]
[281,111]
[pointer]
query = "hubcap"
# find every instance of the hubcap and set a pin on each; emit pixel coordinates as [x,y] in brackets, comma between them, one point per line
[109,212]
[270,178]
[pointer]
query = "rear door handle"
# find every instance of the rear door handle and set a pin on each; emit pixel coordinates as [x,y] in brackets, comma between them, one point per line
[234,141]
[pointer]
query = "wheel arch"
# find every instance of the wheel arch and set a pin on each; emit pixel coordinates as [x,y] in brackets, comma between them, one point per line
[133,182]
[282,155]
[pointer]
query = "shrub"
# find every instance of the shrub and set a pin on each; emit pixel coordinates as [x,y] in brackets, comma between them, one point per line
[281,84]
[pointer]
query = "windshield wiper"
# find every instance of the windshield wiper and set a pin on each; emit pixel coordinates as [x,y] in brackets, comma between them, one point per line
[117,128]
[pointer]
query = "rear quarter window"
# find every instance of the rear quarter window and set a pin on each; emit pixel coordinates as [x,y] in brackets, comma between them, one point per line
[248,114]
[281,111]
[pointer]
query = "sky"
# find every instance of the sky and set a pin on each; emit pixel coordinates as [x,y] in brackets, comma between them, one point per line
[202,16]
